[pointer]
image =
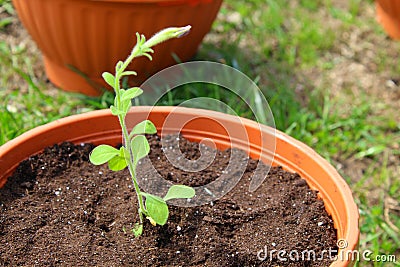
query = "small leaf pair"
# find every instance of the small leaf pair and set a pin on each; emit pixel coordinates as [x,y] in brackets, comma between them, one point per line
[117,159]
[125,100]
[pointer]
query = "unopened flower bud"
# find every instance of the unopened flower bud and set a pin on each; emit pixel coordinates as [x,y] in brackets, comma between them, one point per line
[166,34]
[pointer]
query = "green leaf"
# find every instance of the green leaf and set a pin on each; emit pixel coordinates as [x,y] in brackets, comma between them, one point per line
[179,191]
[140,147]
[126,104]
[139,39]
[116,111]
[156,208]
[144,127]
[115,102]
[123,152]
[126,73]
[102,154]
[118,66]
[131,93]
[148,56]
[117,163]
[138,230]
[109,78]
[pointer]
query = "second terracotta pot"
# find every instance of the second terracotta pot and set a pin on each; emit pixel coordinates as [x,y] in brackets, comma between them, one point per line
[80,39]
[388,15]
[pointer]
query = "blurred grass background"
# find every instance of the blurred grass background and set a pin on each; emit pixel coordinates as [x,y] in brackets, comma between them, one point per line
[328,70]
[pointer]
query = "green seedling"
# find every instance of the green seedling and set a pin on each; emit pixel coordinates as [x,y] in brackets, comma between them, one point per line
[136,146]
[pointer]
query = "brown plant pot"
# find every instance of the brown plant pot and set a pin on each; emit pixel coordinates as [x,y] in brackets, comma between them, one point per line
[80,39]
[102,127]
[388,15]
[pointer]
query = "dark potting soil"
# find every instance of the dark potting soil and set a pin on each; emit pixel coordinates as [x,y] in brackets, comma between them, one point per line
[58,209]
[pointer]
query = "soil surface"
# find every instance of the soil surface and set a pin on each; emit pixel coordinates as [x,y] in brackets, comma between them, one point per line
[60,210]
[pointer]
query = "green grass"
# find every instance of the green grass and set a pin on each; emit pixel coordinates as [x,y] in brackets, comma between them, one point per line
[24,108]
[379,236]
[290,49]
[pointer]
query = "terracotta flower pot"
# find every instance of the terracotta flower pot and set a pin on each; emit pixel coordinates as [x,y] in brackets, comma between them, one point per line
[80,39]
[388,15]
[102,127]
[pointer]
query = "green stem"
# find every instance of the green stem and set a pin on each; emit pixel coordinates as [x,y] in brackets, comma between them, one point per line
[131,167]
